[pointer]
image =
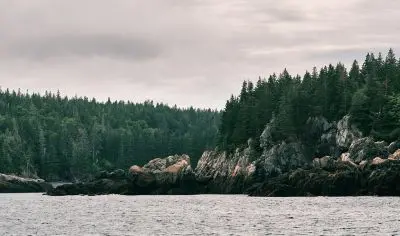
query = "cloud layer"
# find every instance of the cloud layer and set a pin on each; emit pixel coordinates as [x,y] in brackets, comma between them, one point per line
[188,52]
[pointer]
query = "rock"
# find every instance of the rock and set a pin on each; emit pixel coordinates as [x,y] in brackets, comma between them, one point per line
[170,175]
[135,170]
[378,161]
[16,184]
[316,163]
[381,180]
[266,140]
[319,126]
[395,156]
[325,162]
[393,147]
[366,149]
[363,164]
[320,131]
[156,164]
[178,166]
[283,157]
[346,133]
[345,157]
[225,174]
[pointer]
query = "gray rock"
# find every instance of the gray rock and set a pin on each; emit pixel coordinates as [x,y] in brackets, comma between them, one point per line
[226,173]
[346,133]
[266,136]
[167,170]
[318,125]
[283,157]
[366,149]
[325,162]
[393,147]
[219,165]
[16,184]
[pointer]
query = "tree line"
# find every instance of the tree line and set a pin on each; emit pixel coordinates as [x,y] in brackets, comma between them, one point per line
[61,138]
[369,93]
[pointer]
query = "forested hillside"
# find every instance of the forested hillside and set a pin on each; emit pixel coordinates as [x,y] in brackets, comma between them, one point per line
[369,92]
[58,138]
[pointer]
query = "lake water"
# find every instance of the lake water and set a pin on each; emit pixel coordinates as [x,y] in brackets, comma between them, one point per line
[36,214]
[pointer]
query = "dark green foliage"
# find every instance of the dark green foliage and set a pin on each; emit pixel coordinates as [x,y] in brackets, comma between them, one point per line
[370,94]
[59,138]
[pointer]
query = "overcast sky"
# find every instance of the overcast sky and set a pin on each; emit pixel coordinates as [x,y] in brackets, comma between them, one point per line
[184,52]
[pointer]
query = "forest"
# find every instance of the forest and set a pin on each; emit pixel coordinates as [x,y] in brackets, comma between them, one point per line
[60,138]
[369,93]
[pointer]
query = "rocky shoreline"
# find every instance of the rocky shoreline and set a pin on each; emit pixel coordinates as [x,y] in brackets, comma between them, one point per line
[16,184]
[341,180]
[346,164]
[174,176]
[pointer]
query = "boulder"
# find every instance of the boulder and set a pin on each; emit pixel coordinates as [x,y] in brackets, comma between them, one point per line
[395,156]
[134,170]
[325,162]
[393,147]
[345,157]
[162,174]
[378,161]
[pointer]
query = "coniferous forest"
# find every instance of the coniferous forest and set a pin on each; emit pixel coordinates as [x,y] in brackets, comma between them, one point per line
[368,92]
[60,138]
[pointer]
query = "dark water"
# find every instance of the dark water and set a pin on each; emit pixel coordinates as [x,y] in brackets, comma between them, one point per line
[35,214]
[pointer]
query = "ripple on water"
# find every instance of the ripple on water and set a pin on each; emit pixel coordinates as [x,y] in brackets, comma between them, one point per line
[36,214]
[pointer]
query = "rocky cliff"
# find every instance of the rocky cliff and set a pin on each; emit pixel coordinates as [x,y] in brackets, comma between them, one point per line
[221,173]
[330,159]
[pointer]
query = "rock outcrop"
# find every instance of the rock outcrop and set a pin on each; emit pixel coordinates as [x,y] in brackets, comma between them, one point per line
[170,175]
[346,133]
[15,184]
[393,147]
[346,163]
[283,157]
[395,156]
[225,174]
[366,149]
[344,180]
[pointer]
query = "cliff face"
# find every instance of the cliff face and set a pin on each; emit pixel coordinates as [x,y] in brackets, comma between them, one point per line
[324,146]
[225,174]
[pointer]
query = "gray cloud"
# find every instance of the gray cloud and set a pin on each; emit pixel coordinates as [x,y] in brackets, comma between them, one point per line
[111,46]
[192,52]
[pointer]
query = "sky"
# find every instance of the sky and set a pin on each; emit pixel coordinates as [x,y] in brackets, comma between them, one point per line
[184,52]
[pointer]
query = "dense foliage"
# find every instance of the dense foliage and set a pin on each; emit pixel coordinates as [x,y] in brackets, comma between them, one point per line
[370,94]
[57,138]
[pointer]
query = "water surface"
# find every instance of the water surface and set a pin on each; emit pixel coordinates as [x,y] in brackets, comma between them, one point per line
[37,214]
